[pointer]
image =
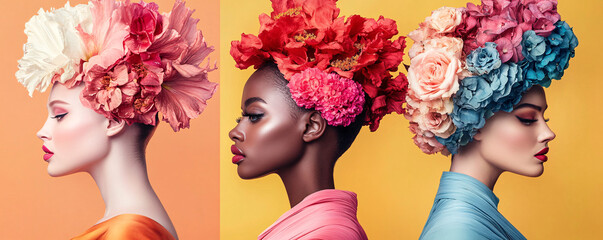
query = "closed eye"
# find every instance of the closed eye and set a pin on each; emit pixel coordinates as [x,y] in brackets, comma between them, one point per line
[59,116]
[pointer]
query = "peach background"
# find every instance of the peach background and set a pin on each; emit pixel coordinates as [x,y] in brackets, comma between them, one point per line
[395,182]
[182,166]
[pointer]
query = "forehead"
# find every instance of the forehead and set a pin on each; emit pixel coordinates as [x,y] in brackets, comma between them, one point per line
[264,84]
[535,96]
[69,95]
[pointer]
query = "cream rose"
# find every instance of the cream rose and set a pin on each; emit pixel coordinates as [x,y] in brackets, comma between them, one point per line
[444,19]
[433,75]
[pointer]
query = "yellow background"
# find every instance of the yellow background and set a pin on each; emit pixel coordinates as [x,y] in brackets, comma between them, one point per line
[395,182]
[183,166]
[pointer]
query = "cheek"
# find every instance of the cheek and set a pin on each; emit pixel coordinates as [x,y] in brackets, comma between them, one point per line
[272,146]
[80,141]
[514,137]
[508,144]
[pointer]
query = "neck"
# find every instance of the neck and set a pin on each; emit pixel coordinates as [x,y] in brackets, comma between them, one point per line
[473,164]
[123,183]
[312,173]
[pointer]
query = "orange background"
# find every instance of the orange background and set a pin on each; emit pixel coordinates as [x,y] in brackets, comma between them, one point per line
[183,166]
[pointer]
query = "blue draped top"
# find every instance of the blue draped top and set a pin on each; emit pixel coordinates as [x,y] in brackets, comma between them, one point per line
[464,208]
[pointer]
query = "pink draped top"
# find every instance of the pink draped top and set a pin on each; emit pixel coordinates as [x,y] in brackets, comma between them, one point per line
[326,214]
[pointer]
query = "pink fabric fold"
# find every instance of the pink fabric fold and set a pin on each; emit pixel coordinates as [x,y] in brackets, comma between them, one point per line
[326,214]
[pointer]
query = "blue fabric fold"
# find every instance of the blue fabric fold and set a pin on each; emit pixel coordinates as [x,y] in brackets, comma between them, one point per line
[464,208]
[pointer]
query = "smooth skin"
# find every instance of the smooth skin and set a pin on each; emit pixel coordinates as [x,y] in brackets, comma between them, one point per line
[508,142]
[274,137]
[109,150]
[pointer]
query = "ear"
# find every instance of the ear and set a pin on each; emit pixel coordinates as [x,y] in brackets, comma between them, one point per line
[478,135]
[115,127]
[315,126]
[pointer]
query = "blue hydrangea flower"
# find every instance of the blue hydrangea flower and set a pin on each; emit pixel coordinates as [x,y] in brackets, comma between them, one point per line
[484,59]
[547,58]
[460,137]
[563,42]
[507,85]
[468,115]
[499,87]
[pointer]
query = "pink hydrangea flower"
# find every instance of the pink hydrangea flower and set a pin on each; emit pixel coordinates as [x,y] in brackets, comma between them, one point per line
[338,99]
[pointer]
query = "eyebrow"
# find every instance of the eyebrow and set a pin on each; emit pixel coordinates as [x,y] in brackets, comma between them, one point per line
[523,105]
[252,100]
[56,101]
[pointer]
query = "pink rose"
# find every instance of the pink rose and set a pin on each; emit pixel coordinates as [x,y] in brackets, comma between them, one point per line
[421,33]
[434,74]
[425,140]
[448,44]
[444,19]
[443,106]
[440,124]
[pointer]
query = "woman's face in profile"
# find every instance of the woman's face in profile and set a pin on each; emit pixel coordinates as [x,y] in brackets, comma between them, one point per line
[517,141]
[268,136]
[74,136]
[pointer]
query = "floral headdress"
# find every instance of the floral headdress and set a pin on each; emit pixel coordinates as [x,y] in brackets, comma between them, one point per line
[133,61]
[469,63]
[330,62]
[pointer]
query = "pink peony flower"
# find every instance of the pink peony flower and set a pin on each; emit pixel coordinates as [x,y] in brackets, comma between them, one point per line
[444,19]
[434,74]
[339,100]
[145,23]
[106,90]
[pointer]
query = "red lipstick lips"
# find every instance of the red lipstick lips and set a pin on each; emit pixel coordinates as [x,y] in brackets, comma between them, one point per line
[541,155]
[238,155]
[48,154]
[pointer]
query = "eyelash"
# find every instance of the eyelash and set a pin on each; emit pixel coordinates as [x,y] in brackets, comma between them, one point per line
[252,117]
[529,122]
[59,117]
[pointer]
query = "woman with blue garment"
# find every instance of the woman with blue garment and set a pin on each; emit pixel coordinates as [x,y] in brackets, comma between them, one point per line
[476,91]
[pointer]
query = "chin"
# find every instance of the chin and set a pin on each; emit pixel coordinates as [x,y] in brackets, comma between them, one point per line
[56,173]
[245,173]
[535,171]
[55,170]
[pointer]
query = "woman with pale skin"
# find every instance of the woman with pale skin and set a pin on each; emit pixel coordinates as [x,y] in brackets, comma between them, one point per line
[115,68]
[478,94]
[515,142]
[77,139]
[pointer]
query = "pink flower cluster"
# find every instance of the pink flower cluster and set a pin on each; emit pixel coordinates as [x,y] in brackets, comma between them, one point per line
[433,77]
[338,99]
[144,62]
[504,22]
[441,45]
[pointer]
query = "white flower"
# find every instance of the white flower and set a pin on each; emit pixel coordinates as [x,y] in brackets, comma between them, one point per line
[54,46]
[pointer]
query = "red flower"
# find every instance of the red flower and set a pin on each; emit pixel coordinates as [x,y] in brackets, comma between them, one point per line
[299,35]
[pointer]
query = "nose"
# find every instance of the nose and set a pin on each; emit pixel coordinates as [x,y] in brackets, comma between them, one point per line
[236,134]
[546,134]
[43,133]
